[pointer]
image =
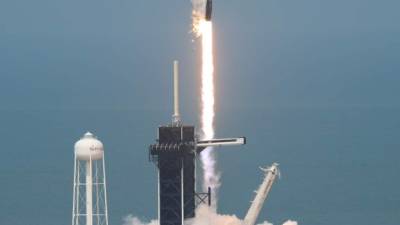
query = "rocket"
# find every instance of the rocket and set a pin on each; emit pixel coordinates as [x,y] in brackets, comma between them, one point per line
[208,10]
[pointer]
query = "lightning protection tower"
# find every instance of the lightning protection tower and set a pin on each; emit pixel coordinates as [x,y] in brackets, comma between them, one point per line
[89,195]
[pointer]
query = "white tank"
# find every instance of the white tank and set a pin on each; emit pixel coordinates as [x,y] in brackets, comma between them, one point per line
[89,147]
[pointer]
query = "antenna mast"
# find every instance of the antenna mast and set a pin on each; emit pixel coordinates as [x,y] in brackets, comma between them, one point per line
[176,117]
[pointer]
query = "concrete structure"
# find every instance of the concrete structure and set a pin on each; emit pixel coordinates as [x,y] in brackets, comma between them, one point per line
[89,194]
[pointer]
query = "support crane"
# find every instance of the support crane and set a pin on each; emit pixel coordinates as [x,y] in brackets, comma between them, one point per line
[262,193]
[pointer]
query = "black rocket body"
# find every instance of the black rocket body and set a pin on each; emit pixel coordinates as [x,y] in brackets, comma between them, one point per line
[208,10]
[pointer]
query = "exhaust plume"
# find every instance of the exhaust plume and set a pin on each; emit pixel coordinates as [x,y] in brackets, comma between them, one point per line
[203,29]
[211,178]
[204,216]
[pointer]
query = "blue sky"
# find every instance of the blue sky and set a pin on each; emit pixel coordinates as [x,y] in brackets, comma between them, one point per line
[313,84]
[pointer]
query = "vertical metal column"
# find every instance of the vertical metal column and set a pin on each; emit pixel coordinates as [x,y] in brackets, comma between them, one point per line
[174,154]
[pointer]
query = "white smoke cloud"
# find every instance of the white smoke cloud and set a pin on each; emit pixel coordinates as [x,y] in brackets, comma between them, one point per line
[290,222]
[265,223]
[207,216]
[211,177]
[204,216]
[132,220]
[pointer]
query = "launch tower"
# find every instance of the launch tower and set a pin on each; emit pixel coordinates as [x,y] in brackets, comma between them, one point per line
[174,154]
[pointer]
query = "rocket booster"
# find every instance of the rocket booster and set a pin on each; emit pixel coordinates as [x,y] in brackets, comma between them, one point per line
[208,10]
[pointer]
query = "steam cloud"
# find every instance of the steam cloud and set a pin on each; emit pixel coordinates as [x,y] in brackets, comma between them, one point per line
[204,216]
[211,176]
[132,220]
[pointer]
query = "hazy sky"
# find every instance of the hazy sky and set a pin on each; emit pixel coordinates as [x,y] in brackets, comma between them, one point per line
[313,84]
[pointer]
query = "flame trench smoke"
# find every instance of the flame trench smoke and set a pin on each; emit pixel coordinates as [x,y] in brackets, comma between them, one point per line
[204,216]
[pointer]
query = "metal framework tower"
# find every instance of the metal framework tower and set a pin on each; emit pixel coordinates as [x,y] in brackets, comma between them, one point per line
[174,154]
[89,194]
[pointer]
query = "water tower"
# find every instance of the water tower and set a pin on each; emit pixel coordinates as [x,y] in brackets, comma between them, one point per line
[89,195]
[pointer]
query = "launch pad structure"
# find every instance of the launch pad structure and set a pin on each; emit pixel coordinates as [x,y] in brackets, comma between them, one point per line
[174,153]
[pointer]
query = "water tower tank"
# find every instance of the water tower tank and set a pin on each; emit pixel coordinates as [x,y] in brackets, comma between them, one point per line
[89,147]
[89,196]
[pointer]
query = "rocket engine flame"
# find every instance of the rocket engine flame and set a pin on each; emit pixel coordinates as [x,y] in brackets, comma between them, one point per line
[203,29]
[211,177]
[207,81]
